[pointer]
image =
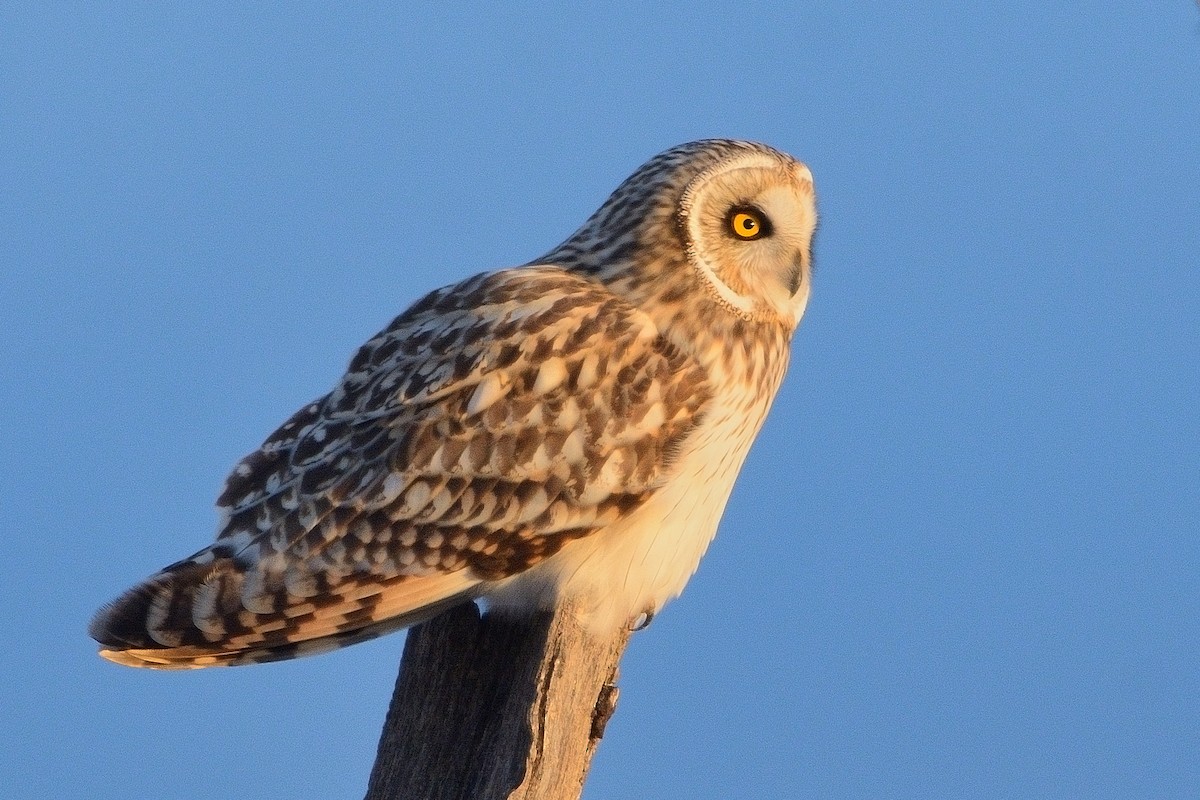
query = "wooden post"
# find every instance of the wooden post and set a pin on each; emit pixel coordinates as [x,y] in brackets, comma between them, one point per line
[488,708]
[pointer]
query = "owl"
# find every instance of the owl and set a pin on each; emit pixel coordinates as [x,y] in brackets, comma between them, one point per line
[570,428]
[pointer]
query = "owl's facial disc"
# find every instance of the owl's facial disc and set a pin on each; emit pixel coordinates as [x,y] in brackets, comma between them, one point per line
[750,222]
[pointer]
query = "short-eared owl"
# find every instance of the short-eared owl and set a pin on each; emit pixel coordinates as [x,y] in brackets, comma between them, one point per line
[573,426]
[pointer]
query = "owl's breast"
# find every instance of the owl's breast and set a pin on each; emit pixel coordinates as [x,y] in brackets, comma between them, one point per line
[637,564]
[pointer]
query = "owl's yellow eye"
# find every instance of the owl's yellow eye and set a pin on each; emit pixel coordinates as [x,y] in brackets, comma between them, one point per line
[746,222]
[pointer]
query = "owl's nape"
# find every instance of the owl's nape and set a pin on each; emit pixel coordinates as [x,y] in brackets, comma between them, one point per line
[572,427]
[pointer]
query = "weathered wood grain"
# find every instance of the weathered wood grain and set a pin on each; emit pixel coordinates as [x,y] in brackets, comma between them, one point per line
[489,708]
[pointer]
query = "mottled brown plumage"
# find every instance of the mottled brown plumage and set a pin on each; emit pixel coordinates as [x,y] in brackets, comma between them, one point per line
[511,436]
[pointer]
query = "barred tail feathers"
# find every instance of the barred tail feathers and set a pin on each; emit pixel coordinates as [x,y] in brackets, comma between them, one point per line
[198,613]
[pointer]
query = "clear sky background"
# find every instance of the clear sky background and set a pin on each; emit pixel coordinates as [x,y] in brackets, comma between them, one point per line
[962,560]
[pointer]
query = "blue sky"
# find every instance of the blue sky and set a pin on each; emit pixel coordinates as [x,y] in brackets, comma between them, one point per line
[962,559]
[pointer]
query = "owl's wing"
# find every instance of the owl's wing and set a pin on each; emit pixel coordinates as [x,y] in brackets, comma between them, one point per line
[486,427]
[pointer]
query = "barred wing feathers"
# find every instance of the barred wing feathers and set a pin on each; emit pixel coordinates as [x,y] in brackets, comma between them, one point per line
[485,428]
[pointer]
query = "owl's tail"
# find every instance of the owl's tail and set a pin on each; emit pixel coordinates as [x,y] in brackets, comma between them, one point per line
[215,611]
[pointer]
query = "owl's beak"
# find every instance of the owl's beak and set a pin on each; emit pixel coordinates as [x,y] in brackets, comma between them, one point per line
[796,274]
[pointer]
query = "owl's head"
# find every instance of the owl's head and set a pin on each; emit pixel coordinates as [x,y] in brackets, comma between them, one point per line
[732,218]
[748,223]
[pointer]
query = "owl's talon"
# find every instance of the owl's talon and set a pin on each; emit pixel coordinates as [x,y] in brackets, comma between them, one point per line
[642,621]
